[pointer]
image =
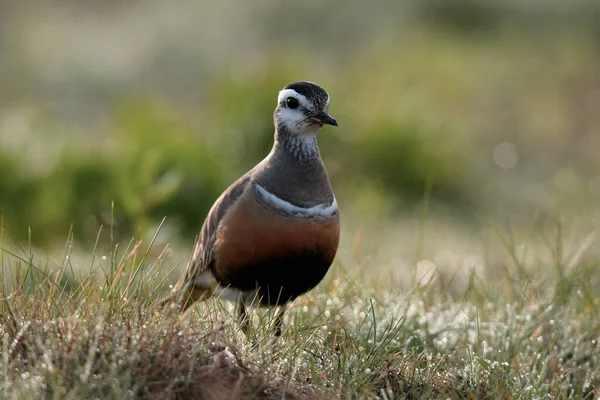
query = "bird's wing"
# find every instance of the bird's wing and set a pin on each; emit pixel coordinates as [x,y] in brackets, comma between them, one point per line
[202,256]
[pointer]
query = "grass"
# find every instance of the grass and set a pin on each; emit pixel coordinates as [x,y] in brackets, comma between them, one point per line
[529,331]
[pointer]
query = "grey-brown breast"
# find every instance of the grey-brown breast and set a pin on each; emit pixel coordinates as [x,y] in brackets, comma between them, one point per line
[304,184]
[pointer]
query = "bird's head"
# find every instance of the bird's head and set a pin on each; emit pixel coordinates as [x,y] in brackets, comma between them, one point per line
[302,109]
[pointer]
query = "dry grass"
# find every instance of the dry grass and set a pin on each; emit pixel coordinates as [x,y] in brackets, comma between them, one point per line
[531,332]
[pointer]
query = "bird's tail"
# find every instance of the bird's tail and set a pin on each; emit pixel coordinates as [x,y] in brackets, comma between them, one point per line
[183,296]
[186,293]
[174,297]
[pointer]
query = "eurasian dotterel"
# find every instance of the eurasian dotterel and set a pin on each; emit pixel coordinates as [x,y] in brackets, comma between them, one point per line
[273,234]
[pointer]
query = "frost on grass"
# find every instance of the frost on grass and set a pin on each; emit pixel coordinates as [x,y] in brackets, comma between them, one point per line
[103,336]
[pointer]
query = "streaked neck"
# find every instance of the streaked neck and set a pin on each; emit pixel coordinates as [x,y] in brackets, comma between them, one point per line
[303,148]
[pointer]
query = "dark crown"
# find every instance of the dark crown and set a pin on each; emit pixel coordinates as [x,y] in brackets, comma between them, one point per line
[313,92]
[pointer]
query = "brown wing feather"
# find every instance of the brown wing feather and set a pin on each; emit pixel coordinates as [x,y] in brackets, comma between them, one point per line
[202,257]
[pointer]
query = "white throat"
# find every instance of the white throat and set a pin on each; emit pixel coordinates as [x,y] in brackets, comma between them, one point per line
[316,211]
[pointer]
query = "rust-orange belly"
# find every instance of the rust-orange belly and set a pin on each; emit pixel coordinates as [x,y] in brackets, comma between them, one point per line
[283,257]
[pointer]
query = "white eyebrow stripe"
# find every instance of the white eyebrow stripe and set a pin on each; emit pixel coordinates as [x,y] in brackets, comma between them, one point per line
[285,93]
[319,210]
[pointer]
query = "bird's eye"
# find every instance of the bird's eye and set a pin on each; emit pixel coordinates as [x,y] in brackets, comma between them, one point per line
[292,102]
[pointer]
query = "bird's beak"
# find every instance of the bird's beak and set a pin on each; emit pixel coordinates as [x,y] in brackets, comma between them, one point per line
[325,118]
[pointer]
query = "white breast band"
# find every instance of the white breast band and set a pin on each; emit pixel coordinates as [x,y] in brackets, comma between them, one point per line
[319,210]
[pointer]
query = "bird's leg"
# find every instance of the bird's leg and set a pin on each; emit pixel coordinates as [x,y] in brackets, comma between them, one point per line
[279,320]
[243,316]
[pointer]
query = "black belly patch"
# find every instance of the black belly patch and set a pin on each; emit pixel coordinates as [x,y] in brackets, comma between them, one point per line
[281,279]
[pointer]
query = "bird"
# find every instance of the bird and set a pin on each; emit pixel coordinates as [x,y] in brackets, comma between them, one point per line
[273,234]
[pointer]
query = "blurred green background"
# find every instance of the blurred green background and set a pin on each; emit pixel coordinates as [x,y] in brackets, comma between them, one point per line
[488,109]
